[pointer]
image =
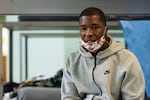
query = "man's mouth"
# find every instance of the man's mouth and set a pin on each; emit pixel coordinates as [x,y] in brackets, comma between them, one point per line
[90,40]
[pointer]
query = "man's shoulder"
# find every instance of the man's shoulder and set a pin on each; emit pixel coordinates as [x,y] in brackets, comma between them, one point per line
[74,54]
[127,54]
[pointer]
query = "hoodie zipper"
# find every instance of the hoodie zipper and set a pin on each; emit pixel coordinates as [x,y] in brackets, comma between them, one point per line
[93,75]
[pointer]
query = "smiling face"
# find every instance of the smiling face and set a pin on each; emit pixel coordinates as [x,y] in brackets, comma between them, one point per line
[91,28]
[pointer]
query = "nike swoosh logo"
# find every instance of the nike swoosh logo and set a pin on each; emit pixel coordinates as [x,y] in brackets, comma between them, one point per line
[106,72]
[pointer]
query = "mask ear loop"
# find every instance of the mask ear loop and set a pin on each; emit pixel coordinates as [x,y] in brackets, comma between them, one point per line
[104,33]
[105,30]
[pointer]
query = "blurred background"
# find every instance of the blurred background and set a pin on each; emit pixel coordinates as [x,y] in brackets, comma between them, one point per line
[38,35]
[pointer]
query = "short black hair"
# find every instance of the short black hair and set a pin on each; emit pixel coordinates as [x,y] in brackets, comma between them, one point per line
[94,11]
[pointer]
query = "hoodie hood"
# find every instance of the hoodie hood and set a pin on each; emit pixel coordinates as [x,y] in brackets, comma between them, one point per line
[113,48]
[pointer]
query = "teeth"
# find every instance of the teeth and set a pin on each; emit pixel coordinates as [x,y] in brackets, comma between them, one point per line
[90,42]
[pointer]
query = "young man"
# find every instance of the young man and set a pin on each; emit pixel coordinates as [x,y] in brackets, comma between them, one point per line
[102,69]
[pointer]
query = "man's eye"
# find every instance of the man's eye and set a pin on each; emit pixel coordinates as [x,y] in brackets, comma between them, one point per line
[83,29]
[94,27]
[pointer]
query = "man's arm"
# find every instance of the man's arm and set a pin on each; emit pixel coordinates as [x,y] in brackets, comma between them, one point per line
[68,88]
[133,85]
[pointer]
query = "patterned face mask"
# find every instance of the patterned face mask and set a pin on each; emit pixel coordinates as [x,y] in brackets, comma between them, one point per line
[93,46]
[96,45]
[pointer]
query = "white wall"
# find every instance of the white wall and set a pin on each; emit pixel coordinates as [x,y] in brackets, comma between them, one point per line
[45,55]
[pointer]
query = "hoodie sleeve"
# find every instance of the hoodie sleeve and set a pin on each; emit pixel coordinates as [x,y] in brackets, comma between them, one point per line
[68,88]
[133,83]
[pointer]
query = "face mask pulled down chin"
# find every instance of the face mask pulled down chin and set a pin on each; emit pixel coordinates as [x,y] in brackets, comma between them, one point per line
[93,46]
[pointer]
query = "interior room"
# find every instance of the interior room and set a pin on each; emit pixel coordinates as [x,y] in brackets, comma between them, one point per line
[29,41]
[36,40]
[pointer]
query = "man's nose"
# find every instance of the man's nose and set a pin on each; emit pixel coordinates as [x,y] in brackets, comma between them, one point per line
[89,32]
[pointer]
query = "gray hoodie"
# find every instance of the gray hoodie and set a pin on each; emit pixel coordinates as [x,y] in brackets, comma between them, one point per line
[113,74]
